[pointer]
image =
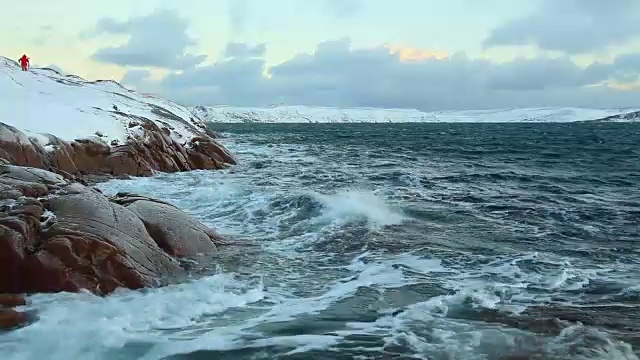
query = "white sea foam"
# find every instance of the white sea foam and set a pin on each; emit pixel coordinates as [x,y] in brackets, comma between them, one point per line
[356,203]
[299,276]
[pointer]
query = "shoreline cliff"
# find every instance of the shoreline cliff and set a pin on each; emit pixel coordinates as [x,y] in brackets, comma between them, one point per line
[58,135]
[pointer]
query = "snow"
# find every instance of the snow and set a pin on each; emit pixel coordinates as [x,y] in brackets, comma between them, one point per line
[43,101]
[47,219]
[309,114]
[42,139]
[8,203]
[625,117]
[50,148]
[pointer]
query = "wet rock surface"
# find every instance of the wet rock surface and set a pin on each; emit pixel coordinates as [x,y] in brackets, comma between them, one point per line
[168,225]
[57,235]
[9,317]
[152,149]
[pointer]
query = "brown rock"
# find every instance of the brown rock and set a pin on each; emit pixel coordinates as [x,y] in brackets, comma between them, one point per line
[125,160]
[201,161]
[18,148]
[92,243]
[5,157]
[11,300]
[174,231]
[93,235]
[154,148]
[209,147]
[76,238]
[10,318]
[8,192]
[62,156]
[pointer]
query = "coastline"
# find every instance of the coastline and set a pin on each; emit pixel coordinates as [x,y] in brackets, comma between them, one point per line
[58,233]
[18,195]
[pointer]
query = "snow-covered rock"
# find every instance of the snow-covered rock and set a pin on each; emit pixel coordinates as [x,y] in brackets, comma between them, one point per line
[314,114]
[59,235]
[63,122]
[624,117]
[43,101]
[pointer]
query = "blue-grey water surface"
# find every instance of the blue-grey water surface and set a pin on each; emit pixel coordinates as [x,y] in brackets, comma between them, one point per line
[388,241]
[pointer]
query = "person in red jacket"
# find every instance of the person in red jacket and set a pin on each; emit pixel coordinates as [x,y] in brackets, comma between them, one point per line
[24,62]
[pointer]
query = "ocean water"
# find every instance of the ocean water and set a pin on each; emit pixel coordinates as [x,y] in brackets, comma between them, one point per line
[385,241]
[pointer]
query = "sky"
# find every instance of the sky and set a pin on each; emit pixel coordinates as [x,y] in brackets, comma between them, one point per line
[421,54]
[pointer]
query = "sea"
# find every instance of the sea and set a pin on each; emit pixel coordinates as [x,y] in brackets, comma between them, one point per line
[385,241]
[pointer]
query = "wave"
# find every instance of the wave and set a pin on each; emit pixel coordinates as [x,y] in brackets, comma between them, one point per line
[424,261]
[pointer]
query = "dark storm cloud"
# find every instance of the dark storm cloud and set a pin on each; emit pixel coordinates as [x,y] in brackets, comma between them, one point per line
[572,26]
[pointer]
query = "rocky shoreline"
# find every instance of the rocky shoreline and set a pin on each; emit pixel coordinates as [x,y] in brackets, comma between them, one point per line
[59,234]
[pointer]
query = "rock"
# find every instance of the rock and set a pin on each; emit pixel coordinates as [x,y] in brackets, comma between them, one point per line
[56,235]
[630,116]
[92,235]
[152,149]
[18,148]
[174,231]
[12,300]
[210,148]
[10,319]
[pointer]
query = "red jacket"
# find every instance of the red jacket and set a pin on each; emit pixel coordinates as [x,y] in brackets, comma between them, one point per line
[24,60]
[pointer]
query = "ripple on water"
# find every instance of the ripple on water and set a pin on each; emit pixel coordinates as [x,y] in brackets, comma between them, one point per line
[416,241]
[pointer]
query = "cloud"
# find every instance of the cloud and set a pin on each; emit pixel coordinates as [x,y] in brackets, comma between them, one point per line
[44,35]
[158,39]
[625,69]
[411,54]
[241,50]
[238,14]
[344,8]
[338,75]
[572,26]
[136,76]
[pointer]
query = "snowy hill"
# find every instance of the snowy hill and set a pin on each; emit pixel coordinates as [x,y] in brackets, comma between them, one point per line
[306,114]
[624,117]
[43,101]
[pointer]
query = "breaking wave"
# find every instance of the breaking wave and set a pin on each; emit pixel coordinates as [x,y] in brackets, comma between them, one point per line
[425,242]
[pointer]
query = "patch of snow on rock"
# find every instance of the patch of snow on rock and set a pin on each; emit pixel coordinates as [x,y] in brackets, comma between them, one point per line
[47,219]
[41,101]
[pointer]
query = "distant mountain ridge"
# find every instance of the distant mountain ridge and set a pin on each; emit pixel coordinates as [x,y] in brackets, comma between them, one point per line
[311,114]
[624,117]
